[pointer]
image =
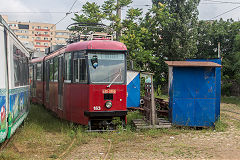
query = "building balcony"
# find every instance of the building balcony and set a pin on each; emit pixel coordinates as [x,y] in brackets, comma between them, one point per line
[42,29]
[41,46]
[36,40]
[43,35]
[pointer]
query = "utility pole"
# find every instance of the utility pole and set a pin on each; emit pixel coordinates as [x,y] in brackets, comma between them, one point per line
[119,14]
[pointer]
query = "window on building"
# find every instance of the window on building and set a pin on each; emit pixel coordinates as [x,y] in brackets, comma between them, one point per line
[61,39]
[61,33]
[45,44]
[68,73]
[38,38]
[23,26]
[38,43]
[45,27]
[38,49]
[45,38]
[32,27]
[38,27]
[45,33]
[23,36]
[32,38]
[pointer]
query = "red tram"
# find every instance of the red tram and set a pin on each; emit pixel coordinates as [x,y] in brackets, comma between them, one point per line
[83,82]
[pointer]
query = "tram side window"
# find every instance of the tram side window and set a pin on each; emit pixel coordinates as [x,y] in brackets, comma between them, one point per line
[82,70]
[24,71]
[51,71]
[55,69]
[16,73]
[75,68]
[68,74]
[39,71]
[21,72]
[31,72]
[79,68]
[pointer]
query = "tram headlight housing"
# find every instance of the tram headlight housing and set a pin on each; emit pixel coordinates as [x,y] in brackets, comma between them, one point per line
[108,104]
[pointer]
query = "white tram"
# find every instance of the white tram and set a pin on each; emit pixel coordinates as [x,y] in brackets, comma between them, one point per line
[14,82]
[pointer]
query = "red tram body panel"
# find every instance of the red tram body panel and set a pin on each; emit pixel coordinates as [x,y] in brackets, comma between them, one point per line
[83,81]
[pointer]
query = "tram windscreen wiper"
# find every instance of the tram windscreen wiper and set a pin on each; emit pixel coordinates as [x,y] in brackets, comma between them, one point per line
[119,73]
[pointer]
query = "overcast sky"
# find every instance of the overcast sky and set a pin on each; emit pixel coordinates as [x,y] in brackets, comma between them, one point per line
[208,9]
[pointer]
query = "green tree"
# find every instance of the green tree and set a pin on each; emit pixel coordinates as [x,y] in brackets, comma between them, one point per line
[231,69]
[134,36]
[92,14]
[179,36]
[210,33]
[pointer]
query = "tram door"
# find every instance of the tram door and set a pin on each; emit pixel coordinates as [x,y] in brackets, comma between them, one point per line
[60,82]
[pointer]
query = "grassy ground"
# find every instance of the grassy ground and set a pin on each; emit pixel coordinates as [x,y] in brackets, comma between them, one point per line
[43,136]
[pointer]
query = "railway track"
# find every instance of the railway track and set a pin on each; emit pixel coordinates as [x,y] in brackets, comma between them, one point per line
[4,144]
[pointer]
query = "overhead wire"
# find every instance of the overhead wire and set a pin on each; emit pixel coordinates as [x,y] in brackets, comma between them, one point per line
[72,6]
[60,12]
[218,2]
[225,12]
[69,12]
[33,12]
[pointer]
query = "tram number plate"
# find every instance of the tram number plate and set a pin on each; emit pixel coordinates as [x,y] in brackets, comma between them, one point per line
[97,108]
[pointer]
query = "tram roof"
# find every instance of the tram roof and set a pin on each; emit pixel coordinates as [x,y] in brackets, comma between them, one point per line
[86,45]
[96,45]
[36,60]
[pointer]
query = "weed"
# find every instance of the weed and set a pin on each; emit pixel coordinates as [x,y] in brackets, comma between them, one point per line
[9,155]
[220,126]
[53,156]
[133,115]
[231,100]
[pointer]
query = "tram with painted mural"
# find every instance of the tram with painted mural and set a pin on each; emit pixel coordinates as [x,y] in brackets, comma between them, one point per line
[83,82]
[14,82]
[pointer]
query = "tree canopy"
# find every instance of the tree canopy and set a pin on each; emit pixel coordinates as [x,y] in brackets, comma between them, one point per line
[170,30]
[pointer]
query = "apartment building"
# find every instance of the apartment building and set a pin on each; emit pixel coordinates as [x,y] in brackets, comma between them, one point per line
[38,36]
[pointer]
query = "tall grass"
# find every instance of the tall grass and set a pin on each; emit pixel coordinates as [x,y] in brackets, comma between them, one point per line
[231,100]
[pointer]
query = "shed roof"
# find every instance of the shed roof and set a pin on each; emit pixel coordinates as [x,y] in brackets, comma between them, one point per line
[192,64]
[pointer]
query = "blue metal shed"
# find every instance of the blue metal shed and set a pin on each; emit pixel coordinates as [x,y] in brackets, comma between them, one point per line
[218,81]
[193,93]
[133,89]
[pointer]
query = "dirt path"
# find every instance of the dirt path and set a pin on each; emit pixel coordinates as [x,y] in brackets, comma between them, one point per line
[205,144]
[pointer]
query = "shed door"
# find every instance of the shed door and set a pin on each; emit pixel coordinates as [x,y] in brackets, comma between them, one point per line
[194,95]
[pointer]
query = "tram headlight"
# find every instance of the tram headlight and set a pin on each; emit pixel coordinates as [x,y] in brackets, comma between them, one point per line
[108,104]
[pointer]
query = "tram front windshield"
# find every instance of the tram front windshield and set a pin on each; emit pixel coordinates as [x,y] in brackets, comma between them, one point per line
[107,67]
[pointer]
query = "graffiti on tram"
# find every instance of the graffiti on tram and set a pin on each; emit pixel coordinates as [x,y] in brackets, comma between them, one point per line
[3,111]
[17,103]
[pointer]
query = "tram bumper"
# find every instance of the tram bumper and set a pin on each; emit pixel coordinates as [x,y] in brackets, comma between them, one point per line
[105,114]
